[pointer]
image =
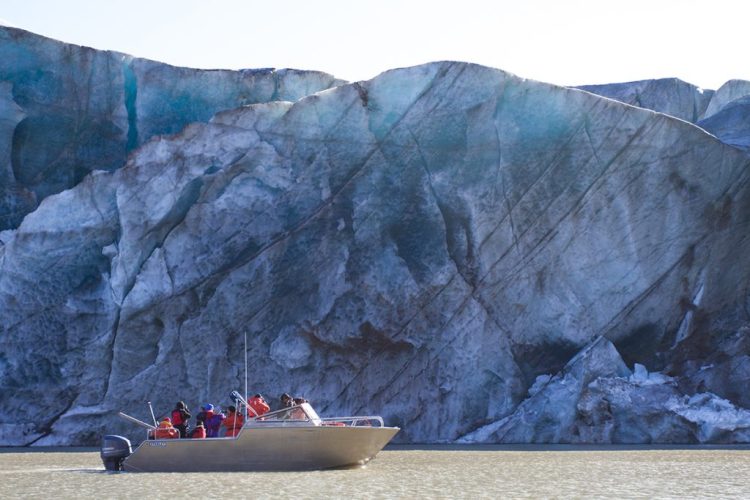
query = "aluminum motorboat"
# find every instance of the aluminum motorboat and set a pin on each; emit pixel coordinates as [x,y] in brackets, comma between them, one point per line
[291,439]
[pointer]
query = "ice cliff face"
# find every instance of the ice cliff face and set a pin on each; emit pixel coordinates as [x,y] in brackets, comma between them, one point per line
[725,113]
[730,91]
[667,95]
[475,256]
[731,123]
[66,110]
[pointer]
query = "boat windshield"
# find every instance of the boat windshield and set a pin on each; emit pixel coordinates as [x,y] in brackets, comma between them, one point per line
[297,413]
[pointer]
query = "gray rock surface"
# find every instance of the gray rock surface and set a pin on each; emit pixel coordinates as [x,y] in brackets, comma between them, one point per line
[665,95]
[66,110]
[424,245]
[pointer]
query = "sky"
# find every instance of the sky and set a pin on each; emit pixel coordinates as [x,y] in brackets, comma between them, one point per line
[566,42]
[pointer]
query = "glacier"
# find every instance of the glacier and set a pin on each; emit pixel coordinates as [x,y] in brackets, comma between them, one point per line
[70,110]
[476,256]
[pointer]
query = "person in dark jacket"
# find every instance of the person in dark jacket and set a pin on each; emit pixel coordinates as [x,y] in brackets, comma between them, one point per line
[180,417]
[286,401]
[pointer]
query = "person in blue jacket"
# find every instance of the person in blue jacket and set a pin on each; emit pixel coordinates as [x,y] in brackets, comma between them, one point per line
[213,423]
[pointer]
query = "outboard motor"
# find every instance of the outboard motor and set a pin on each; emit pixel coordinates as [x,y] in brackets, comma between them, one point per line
[115,449]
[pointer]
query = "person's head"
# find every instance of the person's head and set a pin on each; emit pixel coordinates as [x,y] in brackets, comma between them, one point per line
[232,409]
[180,405]
[258,396]
[208,407]
[165,422]
[299,401]
[285,398]
[199,424]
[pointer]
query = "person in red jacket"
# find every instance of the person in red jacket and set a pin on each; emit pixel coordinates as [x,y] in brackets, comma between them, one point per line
[165,430]
[199,432]
[259,405]
[180,417]
[233,422]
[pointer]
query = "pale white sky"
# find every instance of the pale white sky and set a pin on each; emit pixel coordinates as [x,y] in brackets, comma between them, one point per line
[568,42]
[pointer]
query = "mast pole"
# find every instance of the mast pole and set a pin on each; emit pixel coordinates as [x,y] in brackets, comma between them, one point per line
[246,412]
[153,417]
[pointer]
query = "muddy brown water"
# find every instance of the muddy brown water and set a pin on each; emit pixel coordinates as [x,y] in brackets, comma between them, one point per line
[406,472]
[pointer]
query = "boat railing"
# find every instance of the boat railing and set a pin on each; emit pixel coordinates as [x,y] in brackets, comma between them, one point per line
[298,414]
[359,421]
[305,414]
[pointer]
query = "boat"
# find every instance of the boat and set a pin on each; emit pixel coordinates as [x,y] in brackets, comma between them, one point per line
[291,439]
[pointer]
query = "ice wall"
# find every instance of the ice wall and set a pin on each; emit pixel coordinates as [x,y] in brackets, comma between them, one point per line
[425,245]
[69,110]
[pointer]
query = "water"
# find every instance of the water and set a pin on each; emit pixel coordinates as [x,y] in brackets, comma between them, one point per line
[398,472]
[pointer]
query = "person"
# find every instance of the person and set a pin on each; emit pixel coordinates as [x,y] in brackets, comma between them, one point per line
[298,413]
[207,411]
[286,401]
[259,405]
[199,432]
[233,422]
[213,424]
[180,417]
[165,430]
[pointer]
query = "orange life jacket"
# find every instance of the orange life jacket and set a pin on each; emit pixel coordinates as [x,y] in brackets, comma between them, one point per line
[259,406]
[166,431]
[233,423]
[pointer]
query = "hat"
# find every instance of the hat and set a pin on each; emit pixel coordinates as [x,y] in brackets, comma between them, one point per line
[166,419]
[208,407]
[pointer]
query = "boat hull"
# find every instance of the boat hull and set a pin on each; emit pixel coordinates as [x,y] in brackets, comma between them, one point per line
[263,449]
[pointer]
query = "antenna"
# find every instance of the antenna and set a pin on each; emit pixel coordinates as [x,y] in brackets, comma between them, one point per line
[152,413]
[247,415]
